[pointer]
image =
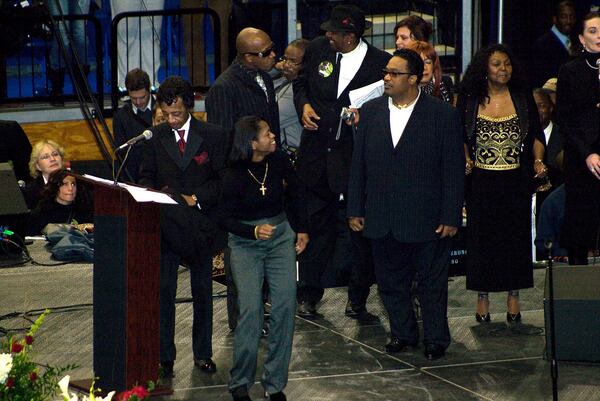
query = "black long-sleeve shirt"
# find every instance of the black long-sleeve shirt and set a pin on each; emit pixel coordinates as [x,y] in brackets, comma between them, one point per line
[242,199]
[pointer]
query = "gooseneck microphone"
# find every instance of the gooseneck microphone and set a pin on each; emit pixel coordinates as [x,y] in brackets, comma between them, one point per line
[144,136]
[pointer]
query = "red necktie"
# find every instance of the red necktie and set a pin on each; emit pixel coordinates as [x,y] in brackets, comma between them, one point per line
[181,141]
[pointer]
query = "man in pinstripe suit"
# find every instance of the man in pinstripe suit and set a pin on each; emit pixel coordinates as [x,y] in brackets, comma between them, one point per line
[406,194]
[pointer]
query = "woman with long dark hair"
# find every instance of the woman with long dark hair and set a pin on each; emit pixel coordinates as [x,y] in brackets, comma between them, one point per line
[255,191]
[578,107]
[61,202]
[503,155]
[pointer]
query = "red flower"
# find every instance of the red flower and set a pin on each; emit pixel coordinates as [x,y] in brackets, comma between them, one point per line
[28,339]
[10,382]
[16,348]
[124,396]
[33,376]
[140,392]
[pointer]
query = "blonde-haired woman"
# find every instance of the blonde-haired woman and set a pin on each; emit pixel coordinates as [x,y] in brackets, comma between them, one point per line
[46,158]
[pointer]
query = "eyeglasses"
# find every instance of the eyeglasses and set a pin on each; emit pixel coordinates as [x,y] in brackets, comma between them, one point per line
[394,74]
[264,53]
[47,156]
[284,59]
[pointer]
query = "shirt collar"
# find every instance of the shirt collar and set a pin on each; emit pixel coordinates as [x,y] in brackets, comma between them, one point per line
[186,126]
[408,109]
[561,36]
[548,129]
[358,50]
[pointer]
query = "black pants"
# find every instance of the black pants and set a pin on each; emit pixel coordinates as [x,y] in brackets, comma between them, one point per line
[396,264]
[328,227]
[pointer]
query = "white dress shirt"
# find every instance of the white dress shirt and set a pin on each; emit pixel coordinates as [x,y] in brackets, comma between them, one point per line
[548,132]
[350,64]
[399,118]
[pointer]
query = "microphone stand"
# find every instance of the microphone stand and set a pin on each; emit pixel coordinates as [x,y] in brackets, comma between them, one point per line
[116,177]
[553,362]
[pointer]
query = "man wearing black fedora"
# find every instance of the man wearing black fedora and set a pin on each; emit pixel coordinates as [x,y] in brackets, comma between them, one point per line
[334,65]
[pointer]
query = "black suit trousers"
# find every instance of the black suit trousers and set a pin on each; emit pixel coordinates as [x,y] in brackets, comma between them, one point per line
[329,230]
[396,264]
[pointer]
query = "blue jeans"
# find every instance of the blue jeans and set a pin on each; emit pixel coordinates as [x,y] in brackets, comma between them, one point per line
[253,261]
[76,28]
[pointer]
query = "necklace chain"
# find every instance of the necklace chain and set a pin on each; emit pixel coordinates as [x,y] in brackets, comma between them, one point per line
[263,188]
[589,65]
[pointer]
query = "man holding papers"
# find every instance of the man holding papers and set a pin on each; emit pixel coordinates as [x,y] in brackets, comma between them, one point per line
[334,65]
[185,158]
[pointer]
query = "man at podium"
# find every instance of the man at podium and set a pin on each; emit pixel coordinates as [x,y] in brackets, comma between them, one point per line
[185,158]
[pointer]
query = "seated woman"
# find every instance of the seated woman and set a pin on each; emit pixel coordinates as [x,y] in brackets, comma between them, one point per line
[46,157]
[61,203]
[263,248]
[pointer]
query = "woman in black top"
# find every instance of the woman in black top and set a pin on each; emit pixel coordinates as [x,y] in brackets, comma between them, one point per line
[255,191]
[578,107]
[61,203]
[504,152]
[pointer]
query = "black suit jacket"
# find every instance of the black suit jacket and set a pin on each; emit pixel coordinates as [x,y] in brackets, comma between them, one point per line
[410,189]
[235,94]
[127,125]
[15,146]
[198,172]
[320,153]
[548,55]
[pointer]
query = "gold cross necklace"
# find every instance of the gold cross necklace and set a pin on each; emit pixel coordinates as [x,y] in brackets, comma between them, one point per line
[262,189]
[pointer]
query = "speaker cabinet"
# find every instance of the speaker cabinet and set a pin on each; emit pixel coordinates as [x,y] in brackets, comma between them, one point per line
[576,313]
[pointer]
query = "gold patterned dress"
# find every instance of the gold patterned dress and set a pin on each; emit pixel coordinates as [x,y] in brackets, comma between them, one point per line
[498,209]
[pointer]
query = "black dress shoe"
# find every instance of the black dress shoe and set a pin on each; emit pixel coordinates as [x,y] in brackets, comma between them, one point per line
[355,311]
[166,369]
[398,345]
[242,398]
[307,310]
[483,318]
[513,318]
[277,397]
[434,351]
[205,365]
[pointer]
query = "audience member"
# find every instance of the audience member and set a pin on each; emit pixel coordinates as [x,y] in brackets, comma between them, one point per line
[262,249]
[61,202]
[550,225]
[411,29]
[431,83]
[138,38]
[15,149]
[409,205]
[334,65]
[245,88]
[67,29]
[185,158]
[134,117]
[46,157]
[290,65]
[578,103]
[554,48]
[501,126]
[552,136]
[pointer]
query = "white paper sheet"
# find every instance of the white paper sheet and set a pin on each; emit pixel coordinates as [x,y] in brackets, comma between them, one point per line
[140,194]
[360,96]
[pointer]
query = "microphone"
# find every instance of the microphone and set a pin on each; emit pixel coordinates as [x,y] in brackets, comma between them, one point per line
[144,136]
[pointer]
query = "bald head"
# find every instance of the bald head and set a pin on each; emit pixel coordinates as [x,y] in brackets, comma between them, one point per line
[255,49]
[251,40]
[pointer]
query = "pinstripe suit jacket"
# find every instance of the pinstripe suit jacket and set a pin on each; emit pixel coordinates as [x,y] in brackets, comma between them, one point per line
[235,94]
[410,189]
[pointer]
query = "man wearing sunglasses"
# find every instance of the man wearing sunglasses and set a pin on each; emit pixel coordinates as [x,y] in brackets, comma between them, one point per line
[334,65]
[245,87]
[406,195]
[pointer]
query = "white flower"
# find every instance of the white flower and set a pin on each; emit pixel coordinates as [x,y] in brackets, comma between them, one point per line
[64,388]
[6,362]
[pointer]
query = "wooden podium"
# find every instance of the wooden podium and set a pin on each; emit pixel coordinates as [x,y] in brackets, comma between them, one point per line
[126,289]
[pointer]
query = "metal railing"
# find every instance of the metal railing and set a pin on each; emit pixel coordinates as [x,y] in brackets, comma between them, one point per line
[179,50]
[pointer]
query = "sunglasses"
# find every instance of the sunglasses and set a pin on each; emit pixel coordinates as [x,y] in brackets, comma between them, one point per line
[284,59]
[394,74]
[264,53]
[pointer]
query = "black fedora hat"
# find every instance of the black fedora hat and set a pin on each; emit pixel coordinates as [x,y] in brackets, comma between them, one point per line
[346,18]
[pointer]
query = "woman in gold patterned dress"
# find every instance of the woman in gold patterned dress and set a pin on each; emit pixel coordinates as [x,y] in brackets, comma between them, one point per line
[504,153]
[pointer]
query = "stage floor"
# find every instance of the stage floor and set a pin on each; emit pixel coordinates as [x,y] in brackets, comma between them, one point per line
[334,357]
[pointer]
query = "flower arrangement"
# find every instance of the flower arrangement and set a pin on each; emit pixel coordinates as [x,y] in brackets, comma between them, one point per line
[20,377]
